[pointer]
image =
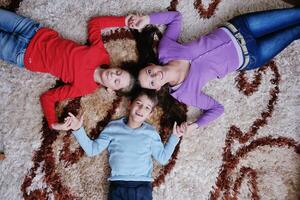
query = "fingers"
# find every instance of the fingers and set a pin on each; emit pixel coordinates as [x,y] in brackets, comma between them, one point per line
[81,120]
[132,20]
[67,122]
[71,115]
[130,23]
[128,19]
[137,22]
[174,127]
[183,127]
[67,118]
[64,126]
[178,130]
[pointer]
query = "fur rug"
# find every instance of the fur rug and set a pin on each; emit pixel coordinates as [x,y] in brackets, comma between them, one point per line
[251,152]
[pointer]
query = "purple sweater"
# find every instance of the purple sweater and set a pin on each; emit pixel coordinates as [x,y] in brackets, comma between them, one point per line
[211,56]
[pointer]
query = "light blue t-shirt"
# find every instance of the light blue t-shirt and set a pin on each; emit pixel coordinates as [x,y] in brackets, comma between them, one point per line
[130,150]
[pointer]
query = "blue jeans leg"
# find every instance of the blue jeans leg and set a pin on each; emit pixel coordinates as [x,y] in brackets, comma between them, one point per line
[12,48]
[266,22]
[270,45]
[15,34]
[267,33]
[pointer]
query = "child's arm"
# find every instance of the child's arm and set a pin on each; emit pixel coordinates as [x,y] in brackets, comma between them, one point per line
[50,97]
[90,147]
[163,153]
[97,23]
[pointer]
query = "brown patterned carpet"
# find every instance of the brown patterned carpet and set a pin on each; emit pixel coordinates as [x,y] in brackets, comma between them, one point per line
[251,152]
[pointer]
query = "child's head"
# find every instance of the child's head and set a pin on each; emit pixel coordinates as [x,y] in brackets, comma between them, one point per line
[142,105]
[116,79]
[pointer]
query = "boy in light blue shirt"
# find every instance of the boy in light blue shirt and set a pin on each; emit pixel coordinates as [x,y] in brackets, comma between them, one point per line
[131,144]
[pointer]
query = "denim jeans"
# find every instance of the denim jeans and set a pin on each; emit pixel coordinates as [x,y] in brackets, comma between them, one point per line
[15,34]
[267,33]
[130,190]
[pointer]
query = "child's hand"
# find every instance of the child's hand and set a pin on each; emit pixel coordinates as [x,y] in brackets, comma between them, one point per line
[129,20]
[179,130]
[71,122]
[75,123]
[138,21]
[184,128]
[61,126]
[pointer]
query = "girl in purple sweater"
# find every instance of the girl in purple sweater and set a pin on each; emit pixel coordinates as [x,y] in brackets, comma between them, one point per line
[246,42]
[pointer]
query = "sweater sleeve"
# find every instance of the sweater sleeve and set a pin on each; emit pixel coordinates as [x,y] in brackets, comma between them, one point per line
[97,23]
[160,152]
[173,21]
[211,108]
[92,147]
[49,98]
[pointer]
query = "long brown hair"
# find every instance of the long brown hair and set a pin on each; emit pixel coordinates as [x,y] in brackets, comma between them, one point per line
[146,45]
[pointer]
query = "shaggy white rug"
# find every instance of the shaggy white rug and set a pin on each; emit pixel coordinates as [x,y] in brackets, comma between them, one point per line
[248,153]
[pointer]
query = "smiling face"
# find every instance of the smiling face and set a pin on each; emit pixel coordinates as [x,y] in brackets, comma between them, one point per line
[114,78]
[140,109]
[152,77]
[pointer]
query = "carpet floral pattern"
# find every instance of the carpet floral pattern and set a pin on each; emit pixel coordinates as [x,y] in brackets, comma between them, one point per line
[251,152]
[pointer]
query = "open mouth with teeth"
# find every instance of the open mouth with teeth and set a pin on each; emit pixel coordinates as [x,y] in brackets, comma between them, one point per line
[138,114]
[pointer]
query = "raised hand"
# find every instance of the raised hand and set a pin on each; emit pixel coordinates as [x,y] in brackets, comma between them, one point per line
[62,126]
[129,20]
[179,130]
[137,21]
[75,122]
[184,128]
[71,122]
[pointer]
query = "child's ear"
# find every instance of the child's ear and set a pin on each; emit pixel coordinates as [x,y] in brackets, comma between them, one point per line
[110,91]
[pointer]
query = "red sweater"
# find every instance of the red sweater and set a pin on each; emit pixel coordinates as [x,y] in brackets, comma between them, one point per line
[73,63]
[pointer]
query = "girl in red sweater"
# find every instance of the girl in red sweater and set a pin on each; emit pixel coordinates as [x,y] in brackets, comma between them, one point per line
[26,43]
